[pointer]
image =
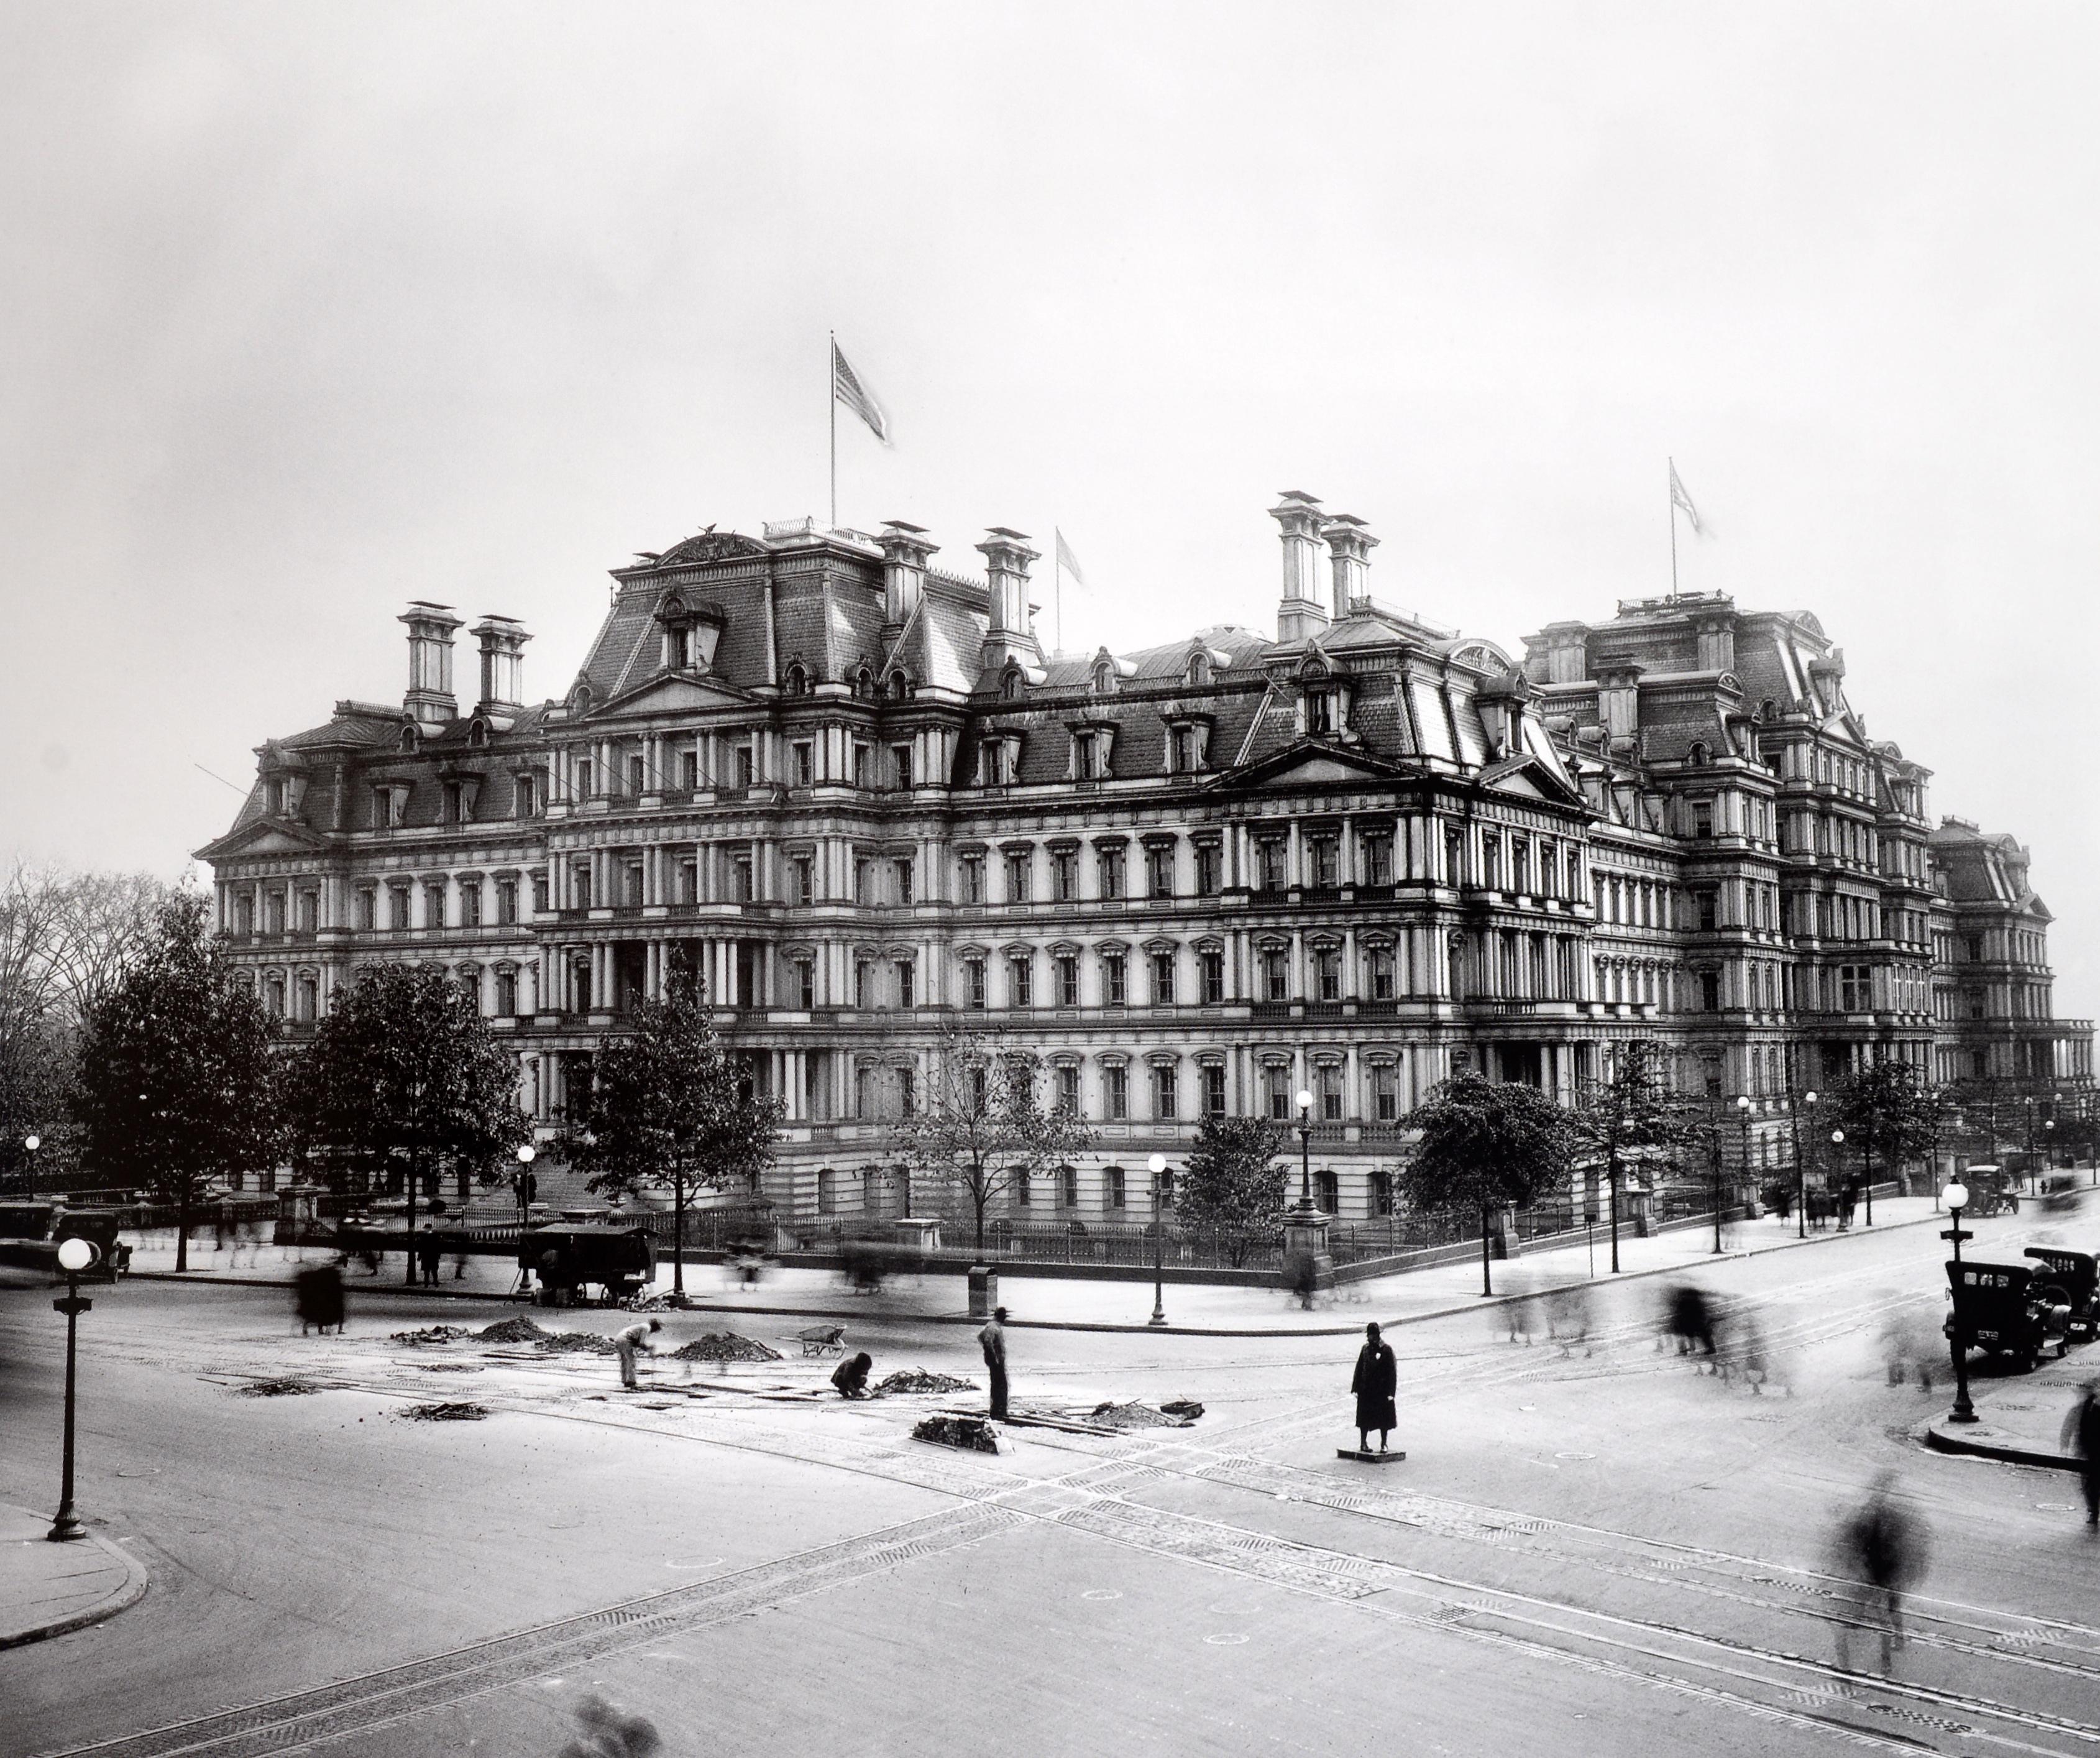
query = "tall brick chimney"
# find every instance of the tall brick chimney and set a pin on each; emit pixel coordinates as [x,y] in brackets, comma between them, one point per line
[429,698]
[905,551]
[1349,546]
[1299,616]
[1010,632]
[502,641]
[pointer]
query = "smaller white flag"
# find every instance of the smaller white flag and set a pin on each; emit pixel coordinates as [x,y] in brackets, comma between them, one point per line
[847,388]
[1680,498]
[1068,561]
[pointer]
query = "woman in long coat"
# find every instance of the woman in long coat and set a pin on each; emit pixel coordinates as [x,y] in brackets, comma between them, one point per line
[1377,1378]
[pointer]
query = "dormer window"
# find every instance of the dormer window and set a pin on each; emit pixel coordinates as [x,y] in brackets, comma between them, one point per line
[1199,669]
[1319,711]
[1009,684]
[1701,755]
[1104,678]
[411,740]
[1090,753]
[900,686]
[273,794]
[863,685]
[797,683]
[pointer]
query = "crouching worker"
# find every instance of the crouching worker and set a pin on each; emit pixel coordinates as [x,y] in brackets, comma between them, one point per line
[634,1337]
[850,1375]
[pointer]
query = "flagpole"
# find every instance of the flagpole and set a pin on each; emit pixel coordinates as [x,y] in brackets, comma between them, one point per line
[1673,525]
[1058,584]
[832,402]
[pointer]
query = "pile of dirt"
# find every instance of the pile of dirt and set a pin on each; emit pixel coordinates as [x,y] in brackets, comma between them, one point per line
[511,1331]
[724,1345]
[436,1333]
[661,1303]
[578,1343]
[277,1389]
[447,1367]
[1133,1415]
[1182,1407]
[452,1412]
[973,1434]
[919,1379]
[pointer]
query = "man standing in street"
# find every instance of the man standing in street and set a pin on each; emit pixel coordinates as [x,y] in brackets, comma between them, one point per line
[2081,1436]
[992,1341]
[634,1337]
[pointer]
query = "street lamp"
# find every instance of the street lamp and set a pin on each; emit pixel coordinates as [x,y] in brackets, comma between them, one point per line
[527,1154]
[1743,1116]
[1158,1164]
[1801,1168]
[30,1143]
[1956,1196]
[1837,1151]
[75,1254]
[1305,1150]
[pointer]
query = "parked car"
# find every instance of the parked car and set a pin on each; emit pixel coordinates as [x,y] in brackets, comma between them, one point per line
[2070,1280]
[31,1232]
[2003,1311]
[1992,1190]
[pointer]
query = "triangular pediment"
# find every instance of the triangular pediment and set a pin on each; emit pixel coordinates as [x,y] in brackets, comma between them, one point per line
[673,693]
[1311,765]
[267,837]
[1529,779]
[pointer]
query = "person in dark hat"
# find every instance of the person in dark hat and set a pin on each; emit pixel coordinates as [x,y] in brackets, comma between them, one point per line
[1377,1379]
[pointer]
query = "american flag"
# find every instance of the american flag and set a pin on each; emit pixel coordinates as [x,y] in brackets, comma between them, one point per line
[1068,561]
[847,388]
[1680,498]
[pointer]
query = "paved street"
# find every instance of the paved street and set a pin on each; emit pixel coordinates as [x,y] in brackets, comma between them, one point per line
[1591,1548]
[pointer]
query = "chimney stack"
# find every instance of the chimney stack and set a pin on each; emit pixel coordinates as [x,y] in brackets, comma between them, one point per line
[1299,616]
[429,698]
[503,640]
[1349,544]
[904,553]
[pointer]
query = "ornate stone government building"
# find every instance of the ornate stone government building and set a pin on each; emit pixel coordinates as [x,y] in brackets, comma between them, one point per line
[848,792]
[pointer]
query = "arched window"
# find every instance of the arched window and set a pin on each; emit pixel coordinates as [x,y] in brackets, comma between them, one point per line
[900,686]
[1104,678]
[864,684]
[1009,684]
[797,680]
[1700,755]
[1199,668]
[411,739]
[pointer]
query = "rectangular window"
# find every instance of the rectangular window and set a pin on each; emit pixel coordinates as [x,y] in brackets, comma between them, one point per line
[367,907]
[1068,1090]
[506,901]
[1210,962]
[586,774]
[900,767]
[470,904]
[1162,979]
[1181,750]
[1016,876]
[1210,869]
[539,893]
[973,876]
[631,873]
[506,992]
[1111,872]
[907,982]
[1323,860]
[1328,1083]
[1319,712]
[1382,973]
[860,765]
[1068,1187]
[1276,974]
[1275,1092]
[527,796]
[1115,1092]
[805,983]
[1021,973]
[638,776]
[1702,818]
[1115,1192]
[802,879]
[1159,872]
[740,880]
[1086,761]
[1385,1093]
[1378,860]
[1708,910]
[747,767]
[1064,874]
[1114,988]
[688,771]
[1327,972]
[901,874]
[908,1092]
[1166,1092]
[433,907]
[1491,864]
[805,763]
[1520,865]
[973,982]
[863,983]
[1214,1090]
[1068,979]
[1269,859]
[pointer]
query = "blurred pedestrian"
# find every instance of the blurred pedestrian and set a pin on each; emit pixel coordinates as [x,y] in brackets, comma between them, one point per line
[1688,1320]
[992,1341]
[1881,1551]
[850,1375]
[626,1342]
[428,1254]
[1567,1318]
[2081,1436]
[1377,1380]
[605,1733]
[1521,1309]
[317,1298]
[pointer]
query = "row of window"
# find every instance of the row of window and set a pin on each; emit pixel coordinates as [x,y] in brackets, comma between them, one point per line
[885,1091]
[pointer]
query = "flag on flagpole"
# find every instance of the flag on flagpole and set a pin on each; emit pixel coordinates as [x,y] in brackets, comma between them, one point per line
[1068,561]
[848,388]
[1680,498]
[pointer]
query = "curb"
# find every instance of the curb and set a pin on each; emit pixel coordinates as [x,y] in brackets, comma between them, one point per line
[118,1599]
[1939,1437]
[1482,1303]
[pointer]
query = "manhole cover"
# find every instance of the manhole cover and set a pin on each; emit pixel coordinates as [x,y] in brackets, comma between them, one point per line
[1100,1592]
[670,1563]
[1226,1640]
[1574,1455]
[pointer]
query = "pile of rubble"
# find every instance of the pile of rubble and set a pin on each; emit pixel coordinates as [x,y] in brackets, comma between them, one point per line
[578,1343]
[448,1412]
[919,1379]
[724,1345]
[436,1333]
[1135,1415]
[510,1331]
[276,1388]
[973,1434]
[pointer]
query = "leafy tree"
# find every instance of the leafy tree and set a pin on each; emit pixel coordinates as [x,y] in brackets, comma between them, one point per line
[1234,1179]
[177,1082]
[981,1125]
[1633,1116]
[403,1067]
[1884,1109]
[1483,1144]
[668,1105]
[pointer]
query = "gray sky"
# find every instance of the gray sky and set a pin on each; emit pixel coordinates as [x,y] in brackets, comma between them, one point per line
[307,310]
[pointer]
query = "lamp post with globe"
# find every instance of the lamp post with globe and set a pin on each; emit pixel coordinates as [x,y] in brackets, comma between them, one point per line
[1956,1198]
[1837,1170]
[75,1254]
[1157,1166]
[1305,1152]
[527,1154]
[1801,1167]
[30,1144]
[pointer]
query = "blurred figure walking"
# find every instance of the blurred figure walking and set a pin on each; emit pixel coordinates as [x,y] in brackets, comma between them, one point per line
[603,1732]
[2081,1436]
[1881,1550]
[317,1299]
[1687,1317]
[1567,1318]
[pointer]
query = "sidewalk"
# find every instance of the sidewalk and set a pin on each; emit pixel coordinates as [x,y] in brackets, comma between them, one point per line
[47,1589]
[2020,1416]
[1073,1304]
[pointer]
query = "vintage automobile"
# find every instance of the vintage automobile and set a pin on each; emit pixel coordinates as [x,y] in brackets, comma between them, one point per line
[2000,1309]
[1992,1190]
[2060,1191]
[31,1233]
[617,1262]
[2070,1280]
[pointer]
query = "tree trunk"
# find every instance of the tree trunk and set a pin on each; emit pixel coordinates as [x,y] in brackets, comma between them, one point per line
[181,1225]
[677,1236]
[1612,1194]
[1487,1283]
